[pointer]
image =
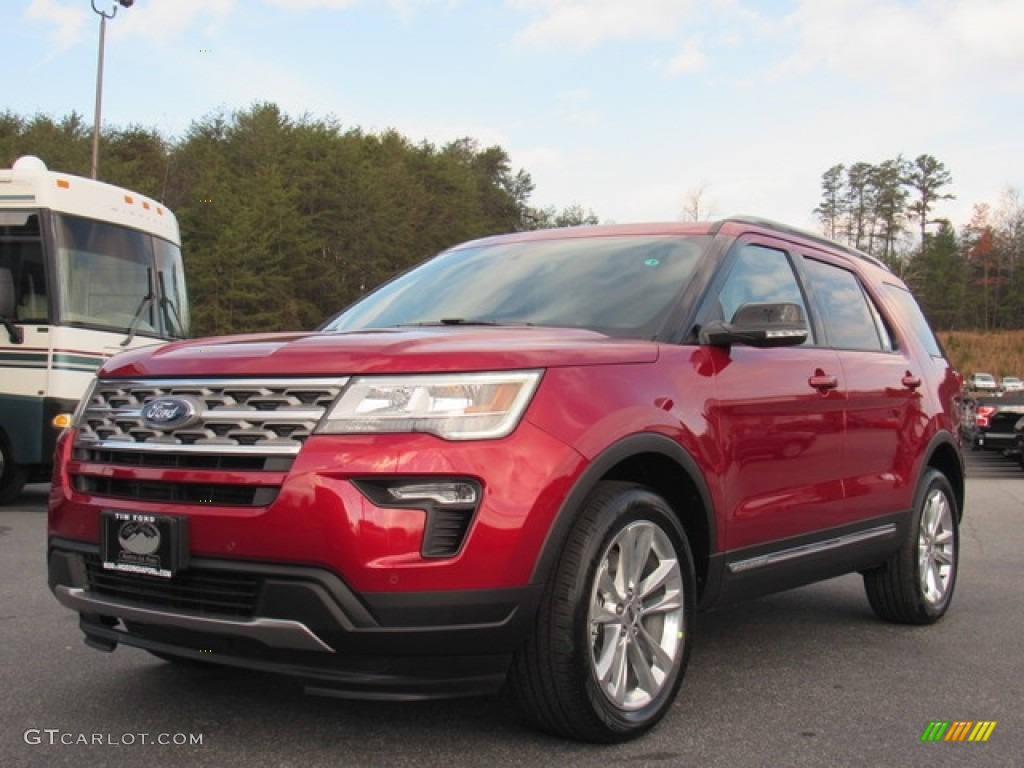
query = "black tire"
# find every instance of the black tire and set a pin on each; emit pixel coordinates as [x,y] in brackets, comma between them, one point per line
[12,477]
[916,585]
[564,675]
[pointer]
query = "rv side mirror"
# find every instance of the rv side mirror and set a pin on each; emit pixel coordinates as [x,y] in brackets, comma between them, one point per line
[759,324]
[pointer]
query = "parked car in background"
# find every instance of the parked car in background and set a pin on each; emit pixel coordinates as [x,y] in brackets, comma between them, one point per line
[988,422]
[1018,431]
[983,382]
[1012,384]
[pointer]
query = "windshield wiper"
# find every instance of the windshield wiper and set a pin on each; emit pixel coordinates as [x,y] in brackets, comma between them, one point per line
[464,321]
[146,300]
[460,321]
[165,304]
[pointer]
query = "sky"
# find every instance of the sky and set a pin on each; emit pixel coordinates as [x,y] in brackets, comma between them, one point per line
[629,108]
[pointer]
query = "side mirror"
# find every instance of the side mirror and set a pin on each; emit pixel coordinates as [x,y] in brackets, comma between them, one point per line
[759,324]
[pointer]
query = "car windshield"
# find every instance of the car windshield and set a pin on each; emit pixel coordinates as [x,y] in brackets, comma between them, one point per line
[619,286]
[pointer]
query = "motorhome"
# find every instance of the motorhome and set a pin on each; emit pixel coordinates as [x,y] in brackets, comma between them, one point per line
[87,270]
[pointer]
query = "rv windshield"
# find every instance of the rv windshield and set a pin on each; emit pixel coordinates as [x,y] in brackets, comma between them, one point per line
[119,279]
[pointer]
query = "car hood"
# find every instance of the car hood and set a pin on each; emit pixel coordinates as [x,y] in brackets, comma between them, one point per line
[399,350]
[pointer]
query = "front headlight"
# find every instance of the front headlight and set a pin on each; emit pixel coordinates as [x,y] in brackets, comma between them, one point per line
[460,406]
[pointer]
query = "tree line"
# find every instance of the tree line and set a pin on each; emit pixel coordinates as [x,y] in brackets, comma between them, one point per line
[286,221]
[967,280]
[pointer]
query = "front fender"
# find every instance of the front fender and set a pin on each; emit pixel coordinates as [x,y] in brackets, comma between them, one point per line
[621,461]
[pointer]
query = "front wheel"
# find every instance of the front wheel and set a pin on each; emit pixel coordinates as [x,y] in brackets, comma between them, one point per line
[614,630]
[916,585]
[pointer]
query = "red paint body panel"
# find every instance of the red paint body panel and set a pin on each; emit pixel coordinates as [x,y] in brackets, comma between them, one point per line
[320,519]
[784,461]
[427,350]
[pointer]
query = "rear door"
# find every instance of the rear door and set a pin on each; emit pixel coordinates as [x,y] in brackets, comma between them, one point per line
[886,420]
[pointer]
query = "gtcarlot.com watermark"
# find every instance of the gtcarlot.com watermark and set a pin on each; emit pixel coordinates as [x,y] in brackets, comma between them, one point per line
[68,738]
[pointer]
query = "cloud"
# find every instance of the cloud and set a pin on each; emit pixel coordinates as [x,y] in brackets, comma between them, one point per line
[404,7]
[583,24]
[927,44]
[688,59]
[168,21]
[307,5]
[73,22]
[67,22]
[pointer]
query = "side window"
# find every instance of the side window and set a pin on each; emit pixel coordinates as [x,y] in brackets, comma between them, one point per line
[913,314]
[760,274]
[32,290]
[21,254]
[851,319]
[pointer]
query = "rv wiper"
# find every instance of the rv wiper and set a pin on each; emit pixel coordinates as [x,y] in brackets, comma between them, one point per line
[171,317]
[146,300]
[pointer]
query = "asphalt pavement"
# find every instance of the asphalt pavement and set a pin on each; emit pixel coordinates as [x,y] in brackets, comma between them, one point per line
[805,678]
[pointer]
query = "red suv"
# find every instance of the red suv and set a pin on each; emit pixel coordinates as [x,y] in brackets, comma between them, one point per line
[532,458]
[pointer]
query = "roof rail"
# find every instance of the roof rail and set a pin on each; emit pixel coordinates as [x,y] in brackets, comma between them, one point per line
[807,235]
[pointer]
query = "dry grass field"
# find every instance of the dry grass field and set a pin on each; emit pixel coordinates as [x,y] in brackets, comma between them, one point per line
[1000,353]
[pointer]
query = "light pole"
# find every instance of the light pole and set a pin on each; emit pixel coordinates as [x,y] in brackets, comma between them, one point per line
[99,76]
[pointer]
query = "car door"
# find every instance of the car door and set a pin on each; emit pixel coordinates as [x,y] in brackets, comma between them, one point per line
[777,413]
[885,417]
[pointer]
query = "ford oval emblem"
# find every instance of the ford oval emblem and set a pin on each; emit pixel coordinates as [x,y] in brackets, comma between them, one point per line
[170,413]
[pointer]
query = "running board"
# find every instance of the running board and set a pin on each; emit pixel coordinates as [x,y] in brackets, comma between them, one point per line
[816,548]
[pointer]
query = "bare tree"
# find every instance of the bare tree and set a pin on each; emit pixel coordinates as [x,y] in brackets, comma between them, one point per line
[696,207]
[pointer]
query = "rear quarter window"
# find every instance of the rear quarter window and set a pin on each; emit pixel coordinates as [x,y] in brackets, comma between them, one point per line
[915,319]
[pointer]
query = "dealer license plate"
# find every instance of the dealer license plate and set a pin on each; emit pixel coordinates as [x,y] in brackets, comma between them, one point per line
[152,545]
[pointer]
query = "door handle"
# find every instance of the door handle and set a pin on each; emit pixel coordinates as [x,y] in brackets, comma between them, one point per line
[822,381]
[910,381]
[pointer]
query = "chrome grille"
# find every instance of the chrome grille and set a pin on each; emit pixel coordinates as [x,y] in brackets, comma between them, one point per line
[246,432]
[261,416]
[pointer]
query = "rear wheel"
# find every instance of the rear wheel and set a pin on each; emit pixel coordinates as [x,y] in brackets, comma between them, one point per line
[613,634]
[12,477]
[916,585]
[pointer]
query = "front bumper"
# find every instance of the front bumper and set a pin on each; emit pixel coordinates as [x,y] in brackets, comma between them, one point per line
[995,441]
[300,621]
